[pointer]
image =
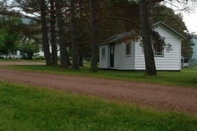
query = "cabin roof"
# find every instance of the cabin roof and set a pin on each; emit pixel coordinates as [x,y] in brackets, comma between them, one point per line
[177,33]
[117,37]
[123,35]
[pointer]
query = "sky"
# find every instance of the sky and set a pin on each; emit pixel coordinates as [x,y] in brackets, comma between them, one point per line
[189,16]
[190,20]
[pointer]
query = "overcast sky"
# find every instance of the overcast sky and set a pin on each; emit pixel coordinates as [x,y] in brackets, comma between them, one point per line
[190,20]
[189,16]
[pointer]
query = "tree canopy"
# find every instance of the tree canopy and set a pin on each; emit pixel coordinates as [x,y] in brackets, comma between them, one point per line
[63,23]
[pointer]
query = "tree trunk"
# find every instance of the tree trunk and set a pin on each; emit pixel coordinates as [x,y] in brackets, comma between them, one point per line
[30,55]
[53,33]
[45,42]
[80,56]
[75,54]
[61,33]
[146,39]
[94,40]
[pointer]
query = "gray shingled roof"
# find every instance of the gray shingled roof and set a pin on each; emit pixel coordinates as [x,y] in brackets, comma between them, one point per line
[117,37]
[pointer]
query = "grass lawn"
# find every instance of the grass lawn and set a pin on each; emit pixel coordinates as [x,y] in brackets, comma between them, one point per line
[7,60]
[28,108]
[187,77]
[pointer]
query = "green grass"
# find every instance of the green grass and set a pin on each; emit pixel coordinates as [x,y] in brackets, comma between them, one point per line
[7,60]
[19,60]
[187,77]
[28,108]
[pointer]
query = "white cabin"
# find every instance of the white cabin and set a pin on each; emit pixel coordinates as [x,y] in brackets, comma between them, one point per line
[117,53]
[12,55]
[194,56]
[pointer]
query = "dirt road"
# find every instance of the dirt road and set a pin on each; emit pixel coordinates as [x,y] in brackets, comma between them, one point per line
[160,97]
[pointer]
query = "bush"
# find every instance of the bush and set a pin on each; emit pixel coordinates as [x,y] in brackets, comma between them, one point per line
[193,63]
[39,58]
[88,59]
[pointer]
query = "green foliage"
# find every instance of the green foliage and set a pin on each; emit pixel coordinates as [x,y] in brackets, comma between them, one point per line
[157,38]
[39,58]
[9,37]
[113,17]
[193,63]
[166,14]
[29,47]
[187,49]
[28,108]
[2,41]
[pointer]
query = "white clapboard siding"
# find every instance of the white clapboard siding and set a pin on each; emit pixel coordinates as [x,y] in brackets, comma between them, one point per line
[12,55]
[171,59]
[104,62]
[121,61]
[139,56]
[194,56]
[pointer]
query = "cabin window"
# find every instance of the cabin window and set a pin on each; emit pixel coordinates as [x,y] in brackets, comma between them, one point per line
[103,53]
[184,62]
[128,49]
[158,50]
[14,52]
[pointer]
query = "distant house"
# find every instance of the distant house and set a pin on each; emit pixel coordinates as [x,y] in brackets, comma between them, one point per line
[194,56]
[17,54]
[11,55]
[184,61]
[124,53]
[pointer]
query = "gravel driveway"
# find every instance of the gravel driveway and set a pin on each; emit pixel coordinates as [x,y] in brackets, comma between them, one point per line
[156,96]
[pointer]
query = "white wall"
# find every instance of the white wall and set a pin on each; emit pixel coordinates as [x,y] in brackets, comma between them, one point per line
[171,59]
[12,56]
[139,56]
[194,56]
[121,61]
[104,62]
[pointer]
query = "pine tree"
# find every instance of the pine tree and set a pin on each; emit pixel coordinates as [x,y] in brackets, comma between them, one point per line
[45,42]
[146,39]
[94,37]
[61,34]
[75,53]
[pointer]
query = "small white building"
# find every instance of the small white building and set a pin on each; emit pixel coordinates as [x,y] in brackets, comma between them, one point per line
[194,56]
[12,55]
[124,53]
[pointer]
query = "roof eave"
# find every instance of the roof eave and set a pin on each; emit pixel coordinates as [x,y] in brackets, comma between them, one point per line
[170,29]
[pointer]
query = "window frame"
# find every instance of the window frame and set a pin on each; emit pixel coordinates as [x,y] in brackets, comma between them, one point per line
[14,52]
[103,52]
[159,50]
[127,45]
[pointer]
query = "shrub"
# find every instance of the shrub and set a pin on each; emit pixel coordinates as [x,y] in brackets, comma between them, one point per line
[39,58]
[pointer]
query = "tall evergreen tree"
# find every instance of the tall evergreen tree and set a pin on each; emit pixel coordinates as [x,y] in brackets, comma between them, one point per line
[45,42]
[53,32]
[61,34]
[94,37]
[75,53]
[146,39]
